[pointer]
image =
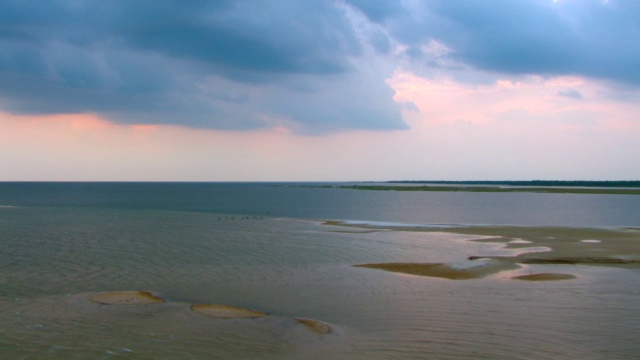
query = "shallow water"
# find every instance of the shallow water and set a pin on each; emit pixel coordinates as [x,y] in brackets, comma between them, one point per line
[53,258]
[296,201]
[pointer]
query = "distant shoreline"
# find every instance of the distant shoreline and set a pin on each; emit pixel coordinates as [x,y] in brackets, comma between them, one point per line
[536,183]
[476,187]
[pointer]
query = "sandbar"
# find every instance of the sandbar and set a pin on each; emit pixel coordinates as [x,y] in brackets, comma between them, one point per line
[582,261]
[544,277]
[550,245]
[126,298]
[316,326]
[446,271]
[226,311]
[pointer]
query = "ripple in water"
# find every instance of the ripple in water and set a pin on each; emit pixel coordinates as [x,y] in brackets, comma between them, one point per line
[52,260]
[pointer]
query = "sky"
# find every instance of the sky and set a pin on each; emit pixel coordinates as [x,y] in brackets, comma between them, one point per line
[319,90]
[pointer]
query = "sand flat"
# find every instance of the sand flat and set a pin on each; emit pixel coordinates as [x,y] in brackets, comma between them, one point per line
[473,270]
[226,311]
[616,247]
[126,298]
[544,277]
[315,326]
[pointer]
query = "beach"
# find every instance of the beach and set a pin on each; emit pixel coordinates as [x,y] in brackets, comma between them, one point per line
[539,245]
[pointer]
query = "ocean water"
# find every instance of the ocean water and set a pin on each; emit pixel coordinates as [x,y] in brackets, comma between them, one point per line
[266,247]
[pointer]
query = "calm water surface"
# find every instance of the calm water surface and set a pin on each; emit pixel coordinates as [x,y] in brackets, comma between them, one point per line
[261,246]
[294,201]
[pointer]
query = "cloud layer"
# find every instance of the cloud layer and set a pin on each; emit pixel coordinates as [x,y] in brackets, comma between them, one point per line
[593,38]
[316,66]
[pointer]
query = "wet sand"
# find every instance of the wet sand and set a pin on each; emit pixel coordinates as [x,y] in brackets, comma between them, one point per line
[315,326]
[615,247]
[544,277]
[126,298]
[226,311]
[446,271]
[218,311]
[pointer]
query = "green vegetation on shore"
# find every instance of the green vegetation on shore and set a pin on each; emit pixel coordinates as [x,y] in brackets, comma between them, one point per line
[535,183]
[505,189]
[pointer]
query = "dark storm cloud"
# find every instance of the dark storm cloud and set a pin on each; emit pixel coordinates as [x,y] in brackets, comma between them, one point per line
[259,37]
[322,65]
[194,63]
[594,38]
[377,11]
[589,38]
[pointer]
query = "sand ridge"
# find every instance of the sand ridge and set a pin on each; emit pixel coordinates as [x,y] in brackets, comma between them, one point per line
[218,311]
[544,277]
[617,247]
[226,311]
[126,298]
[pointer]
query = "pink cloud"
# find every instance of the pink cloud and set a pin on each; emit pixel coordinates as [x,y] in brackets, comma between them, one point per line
[532,98]
[507,130]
